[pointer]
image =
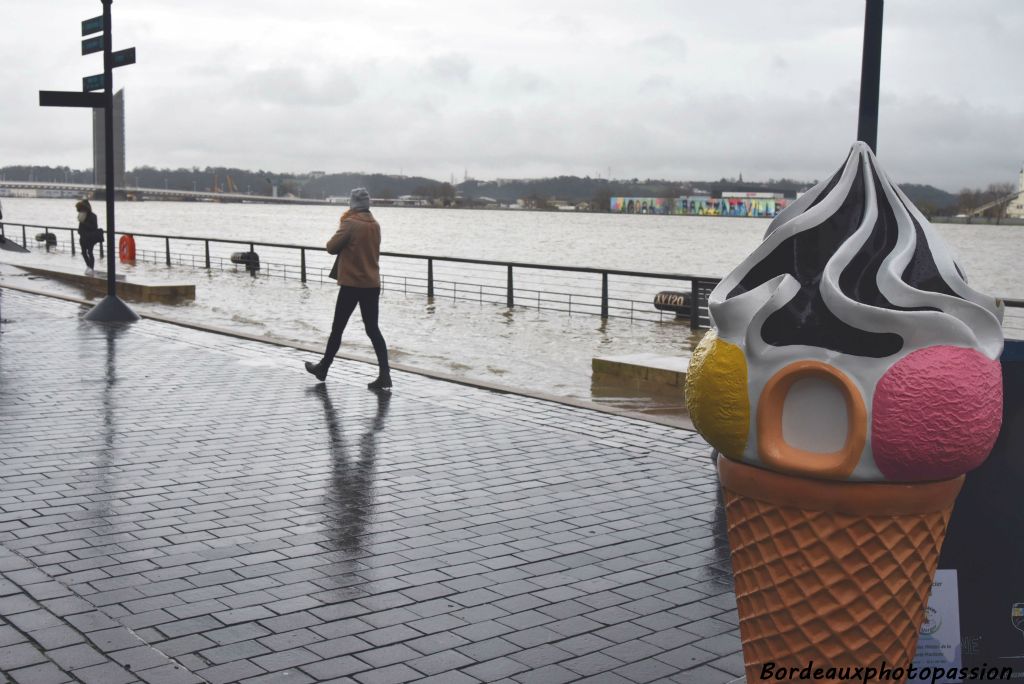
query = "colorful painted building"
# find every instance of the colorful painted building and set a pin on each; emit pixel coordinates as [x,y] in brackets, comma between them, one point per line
[755,204]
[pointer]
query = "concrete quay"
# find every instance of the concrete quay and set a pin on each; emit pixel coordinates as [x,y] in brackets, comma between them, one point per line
[182,506]
[128,290]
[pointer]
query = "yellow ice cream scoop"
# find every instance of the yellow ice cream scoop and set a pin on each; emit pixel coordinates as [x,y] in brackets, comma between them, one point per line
[716,394]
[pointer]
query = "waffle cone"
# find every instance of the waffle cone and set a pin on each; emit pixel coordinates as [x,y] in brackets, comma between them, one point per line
[831,574]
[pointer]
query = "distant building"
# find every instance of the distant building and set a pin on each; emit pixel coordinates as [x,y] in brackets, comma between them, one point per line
[99,154]
[645,205]
[317,174]
[1016,207]
[754,204]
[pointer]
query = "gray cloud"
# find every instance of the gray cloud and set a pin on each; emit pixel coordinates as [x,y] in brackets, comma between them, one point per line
[663,45]
[296,86]
[449,68]
[517,80]
[665,89]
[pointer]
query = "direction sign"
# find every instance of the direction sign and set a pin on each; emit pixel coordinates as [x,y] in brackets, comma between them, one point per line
[123,57]
[69,98]
[94,25]
[93,82]
[90,45]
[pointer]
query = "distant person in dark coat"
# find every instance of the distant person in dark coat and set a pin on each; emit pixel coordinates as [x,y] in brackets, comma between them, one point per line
[357,244]
[89,234]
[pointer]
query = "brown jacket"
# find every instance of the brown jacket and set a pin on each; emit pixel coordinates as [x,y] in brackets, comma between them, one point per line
[357,244]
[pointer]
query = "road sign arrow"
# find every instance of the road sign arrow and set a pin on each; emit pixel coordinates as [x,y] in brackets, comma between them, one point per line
[93,82]
[123,57]
[94,25]
[68,98]
[90,45]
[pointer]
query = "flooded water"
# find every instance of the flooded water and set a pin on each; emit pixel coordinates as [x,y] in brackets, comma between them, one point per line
[698,245]
[526,346]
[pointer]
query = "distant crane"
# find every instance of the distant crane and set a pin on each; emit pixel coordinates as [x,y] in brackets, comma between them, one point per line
[231,187]
[1005,200]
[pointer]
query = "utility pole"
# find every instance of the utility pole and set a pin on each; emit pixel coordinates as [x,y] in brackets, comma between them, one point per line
[871,65]
[110,308]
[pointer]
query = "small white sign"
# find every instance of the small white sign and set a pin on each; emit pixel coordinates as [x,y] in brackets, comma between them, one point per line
[938,644]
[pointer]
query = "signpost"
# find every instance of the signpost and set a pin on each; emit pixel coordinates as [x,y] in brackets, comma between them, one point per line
[69,98]
[92,83]
[94,25]
[91,45]
[110,308]
[124,57]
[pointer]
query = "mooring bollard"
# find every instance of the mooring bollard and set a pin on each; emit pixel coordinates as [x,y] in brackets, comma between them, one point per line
[510,290]
[694,305]
[604,295]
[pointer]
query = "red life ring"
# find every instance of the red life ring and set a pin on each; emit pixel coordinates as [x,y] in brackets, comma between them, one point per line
[126,248]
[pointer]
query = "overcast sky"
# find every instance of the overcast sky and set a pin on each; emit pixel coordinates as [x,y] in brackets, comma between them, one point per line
[522,88]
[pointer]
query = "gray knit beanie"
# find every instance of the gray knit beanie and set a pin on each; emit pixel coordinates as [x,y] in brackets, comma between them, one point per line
[359,199]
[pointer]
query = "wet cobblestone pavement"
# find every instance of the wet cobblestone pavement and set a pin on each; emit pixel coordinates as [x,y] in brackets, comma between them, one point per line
[180,506]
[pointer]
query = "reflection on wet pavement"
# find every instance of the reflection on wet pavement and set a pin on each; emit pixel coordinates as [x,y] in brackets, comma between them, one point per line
[540,351]
[197,506]
[350,495]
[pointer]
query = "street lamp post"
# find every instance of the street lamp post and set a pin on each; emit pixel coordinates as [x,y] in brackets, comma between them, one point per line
[871,64]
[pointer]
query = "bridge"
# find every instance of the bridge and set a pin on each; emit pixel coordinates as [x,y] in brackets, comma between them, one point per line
[78,190]
[87,189]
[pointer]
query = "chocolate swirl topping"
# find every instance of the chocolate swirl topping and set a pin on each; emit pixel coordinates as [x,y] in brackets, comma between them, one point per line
[869,275]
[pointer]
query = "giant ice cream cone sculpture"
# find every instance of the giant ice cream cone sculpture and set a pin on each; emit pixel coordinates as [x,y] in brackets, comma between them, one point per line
[850,380]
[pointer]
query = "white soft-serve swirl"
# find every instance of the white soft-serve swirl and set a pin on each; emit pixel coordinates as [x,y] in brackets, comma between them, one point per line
[971,319]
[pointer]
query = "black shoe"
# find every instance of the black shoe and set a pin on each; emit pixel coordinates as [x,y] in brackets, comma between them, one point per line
[383,382]
[317,370]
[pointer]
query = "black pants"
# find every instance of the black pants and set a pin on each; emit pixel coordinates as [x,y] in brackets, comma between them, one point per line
[368,299]
[87,246]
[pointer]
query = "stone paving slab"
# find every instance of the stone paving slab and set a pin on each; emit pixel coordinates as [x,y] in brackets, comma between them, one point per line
[181,506]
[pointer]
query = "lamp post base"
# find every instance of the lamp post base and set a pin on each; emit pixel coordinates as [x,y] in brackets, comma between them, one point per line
[111,310]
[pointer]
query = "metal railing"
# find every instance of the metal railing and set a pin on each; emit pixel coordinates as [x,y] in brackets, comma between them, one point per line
[506,286]
[498,287]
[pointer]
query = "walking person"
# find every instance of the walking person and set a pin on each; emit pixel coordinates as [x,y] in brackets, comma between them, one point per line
[357,244]
[89,234]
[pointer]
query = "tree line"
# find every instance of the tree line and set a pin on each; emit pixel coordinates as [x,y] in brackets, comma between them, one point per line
[593,194]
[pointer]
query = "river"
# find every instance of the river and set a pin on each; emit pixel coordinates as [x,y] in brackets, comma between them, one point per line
[526,347]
